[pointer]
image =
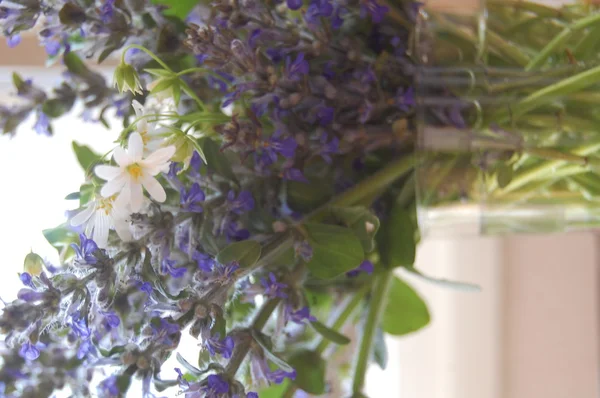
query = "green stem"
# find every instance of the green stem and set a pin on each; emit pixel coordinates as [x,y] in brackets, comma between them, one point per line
[560,39]
[544,169]
[259,322]
[150,53]
[368,186]
[549,94]
[381,285]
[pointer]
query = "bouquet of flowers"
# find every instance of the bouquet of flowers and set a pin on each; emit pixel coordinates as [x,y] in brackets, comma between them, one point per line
[262,189]
[257,199]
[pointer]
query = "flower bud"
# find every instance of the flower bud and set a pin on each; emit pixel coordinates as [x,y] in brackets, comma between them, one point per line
[126,78]
[33,264]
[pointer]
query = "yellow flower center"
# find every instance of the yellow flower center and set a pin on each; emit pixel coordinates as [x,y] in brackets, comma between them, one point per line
[106,204]
[135,171]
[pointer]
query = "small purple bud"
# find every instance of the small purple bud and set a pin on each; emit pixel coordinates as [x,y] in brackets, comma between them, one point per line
[29,351]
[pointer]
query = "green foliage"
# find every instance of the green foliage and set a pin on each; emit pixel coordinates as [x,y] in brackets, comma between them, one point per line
[33,264]
[246,253]
[396,240]
[362,221]
[380,353]
[274,391]
[178,8]
[305,197]
[462,286]
[330,334]
[336,250]
[74,64]
[61,238]
[216,160]
[86,157]
[504,174]
[310,371]
[405,311]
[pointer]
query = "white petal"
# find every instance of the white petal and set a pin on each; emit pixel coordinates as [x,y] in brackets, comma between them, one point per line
[120,208]
[154,188]
[83,215]
[124,198]
[89,227]
[137,197]
[113,186]
[107,172]
[135,147]
[138,108]
[121,157]
[101,231]
[160,156]
[122,228]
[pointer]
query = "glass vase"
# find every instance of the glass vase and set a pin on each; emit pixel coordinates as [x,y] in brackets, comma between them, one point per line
[508,115]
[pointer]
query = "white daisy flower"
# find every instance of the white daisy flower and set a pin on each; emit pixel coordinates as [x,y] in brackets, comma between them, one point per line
[100,216]
[134,172]
[152,134]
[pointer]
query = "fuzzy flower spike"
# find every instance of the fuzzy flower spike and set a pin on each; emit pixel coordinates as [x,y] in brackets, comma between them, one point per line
[133,172]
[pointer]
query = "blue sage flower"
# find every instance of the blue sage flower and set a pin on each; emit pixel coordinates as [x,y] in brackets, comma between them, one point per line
[242,204]
[365,266]
[190,199]
[215,345]
[26,279]
[85,252]
[29,351]
[273,288]
[168,267]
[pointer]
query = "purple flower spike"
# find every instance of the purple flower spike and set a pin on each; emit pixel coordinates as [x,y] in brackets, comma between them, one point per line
[215,345]
[294,4]
[204,261]
[243,203]
[168,267]
[405,99]
[79,326]
[278,376]
[42,125]
[26,279]
[303,314]
[215,385]
[85,252]
[29,351]
[365,266]
[13,40]
[298,68]
[374,9]
[272,287]
[190,199]
[109,387]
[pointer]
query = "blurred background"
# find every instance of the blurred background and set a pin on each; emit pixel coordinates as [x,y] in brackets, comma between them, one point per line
[532,331]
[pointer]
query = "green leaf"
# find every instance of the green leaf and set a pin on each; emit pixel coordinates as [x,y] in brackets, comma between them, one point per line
[336,250]
[61,237]
[305,197]
[362,221]
[18,81]
[86,192]
[163,84]
[274,391]
[380,353]
[33,264]
[329,334]
[405,311]
[216,160]
[246,253]
[310,371]
[396,239]
[85,156]
[462,286]
[55,108]
[123,382]
[178,8]
[504,175]
[74,64]
[73,196]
